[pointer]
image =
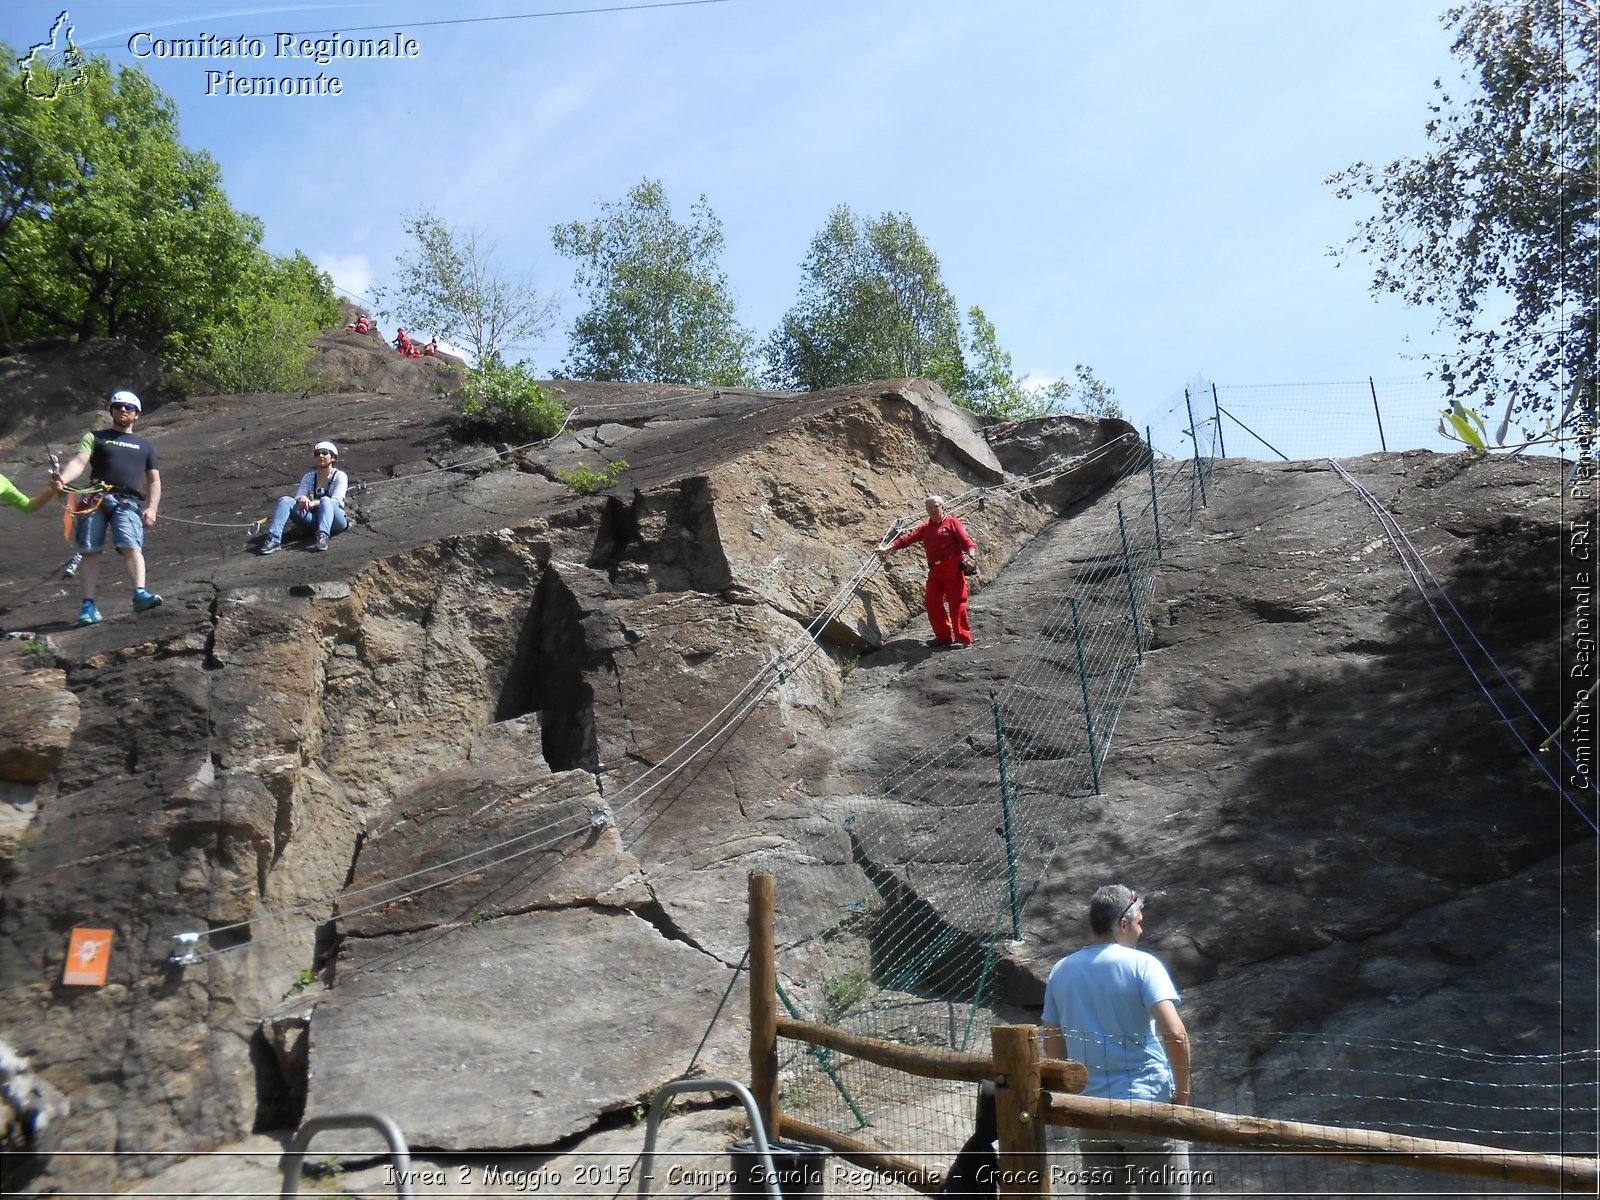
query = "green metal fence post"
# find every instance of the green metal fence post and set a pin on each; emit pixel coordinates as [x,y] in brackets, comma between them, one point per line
[825,1061]
[1155,509]
[1005,813]
[1373,388]
[1083,678]
[1133,595]
[1194,463]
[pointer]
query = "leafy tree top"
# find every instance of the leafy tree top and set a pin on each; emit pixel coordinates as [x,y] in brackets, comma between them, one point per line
[111,227]
[1495,227]
[660,309]
[447,283]
[872,305]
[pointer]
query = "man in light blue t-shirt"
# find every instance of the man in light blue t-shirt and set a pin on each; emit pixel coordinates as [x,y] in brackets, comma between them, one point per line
[1113,1008]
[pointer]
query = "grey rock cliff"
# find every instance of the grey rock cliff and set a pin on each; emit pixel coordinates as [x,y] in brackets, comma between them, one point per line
[487,681]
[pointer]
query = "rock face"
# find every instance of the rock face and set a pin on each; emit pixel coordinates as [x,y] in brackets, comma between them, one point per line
[1310,775]
[46,716]
[465,806]
[59,379]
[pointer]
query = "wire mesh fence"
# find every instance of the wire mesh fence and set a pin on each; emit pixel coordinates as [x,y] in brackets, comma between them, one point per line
[955,841]
[950,848]
[1333,420]
[1445,1098]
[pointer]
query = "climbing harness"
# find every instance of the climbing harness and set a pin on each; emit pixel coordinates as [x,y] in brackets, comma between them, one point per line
[80,503]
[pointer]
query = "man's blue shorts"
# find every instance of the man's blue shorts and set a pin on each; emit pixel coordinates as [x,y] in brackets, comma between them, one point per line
[124,515]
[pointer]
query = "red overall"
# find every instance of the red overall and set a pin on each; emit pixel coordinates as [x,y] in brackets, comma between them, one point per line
[944,543]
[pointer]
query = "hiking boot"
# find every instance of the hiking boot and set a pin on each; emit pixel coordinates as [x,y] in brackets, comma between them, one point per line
[270,546]
[89,615]
[70,571]
[144,601]
[937,643]
[322,542]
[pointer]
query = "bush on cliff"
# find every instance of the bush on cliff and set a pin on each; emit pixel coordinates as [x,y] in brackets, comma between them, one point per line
[501,402]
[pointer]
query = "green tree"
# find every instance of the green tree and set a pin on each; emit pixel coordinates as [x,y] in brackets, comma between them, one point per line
[659,308]
[110,227]
[1500,213]
[872,305]
[1083,392]
[990,384]
[263,342]
[448,285]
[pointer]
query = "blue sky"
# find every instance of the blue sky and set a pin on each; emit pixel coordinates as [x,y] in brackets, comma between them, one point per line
[1137,186]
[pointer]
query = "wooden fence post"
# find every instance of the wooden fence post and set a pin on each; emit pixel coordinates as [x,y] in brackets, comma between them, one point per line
[764,1001]
[1024,1160]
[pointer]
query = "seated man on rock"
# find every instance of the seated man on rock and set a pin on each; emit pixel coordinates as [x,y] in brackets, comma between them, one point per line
[317,504]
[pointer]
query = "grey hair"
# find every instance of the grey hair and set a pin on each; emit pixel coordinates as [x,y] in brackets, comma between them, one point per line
[1108,904]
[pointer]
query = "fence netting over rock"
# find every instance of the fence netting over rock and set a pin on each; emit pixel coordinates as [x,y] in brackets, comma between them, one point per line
[953,844]
[934,868]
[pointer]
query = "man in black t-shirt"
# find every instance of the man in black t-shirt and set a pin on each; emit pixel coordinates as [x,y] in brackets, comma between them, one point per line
[124,466]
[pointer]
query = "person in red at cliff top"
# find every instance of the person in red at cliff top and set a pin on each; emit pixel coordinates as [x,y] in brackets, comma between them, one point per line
[403,344]
[948,547]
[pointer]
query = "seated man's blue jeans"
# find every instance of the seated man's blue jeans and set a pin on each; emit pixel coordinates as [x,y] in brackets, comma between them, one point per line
[326,518]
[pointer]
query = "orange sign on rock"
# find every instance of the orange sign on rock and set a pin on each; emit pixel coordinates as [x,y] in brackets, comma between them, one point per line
[87,958]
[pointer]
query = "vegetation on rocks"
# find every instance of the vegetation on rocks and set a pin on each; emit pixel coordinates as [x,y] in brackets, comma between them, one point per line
[585,481]
[500,401]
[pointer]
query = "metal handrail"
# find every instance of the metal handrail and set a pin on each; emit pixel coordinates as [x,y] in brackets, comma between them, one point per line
[295,1156]
[758,1131]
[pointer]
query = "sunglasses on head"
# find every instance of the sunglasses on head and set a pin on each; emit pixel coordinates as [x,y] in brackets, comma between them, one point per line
[1132,904]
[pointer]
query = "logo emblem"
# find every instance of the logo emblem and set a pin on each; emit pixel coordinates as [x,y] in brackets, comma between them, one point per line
[54,67]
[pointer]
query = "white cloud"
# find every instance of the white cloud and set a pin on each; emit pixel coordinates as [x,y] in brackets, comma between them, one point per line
[351,273]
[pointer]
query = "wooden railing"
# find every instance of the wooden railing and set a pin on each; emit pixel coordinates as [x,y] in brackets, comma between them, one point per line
[1033,1092]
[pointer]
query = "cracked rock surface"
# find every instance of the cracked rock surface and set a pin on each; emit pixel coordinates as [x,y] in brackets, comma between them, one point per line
[422,790]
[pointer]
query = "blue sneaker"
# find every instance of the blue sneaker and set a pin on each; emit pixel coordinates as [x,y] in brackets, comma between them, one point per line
[144,601]
[90,615]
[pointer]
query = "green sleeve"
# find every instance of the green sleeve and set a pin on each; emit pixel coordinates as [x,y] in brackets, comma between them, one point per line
[86,445]
[11,496]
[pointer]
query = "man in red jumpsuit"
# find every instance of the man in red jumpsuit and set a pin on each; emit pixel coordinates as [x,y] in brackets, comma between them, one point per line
[947,546]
